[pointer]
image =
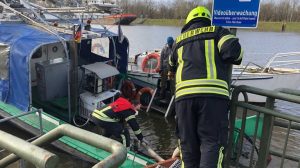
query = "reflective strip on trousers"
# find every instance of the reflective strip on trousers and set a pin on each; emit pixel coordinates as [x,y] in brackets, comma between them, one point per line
[221,156]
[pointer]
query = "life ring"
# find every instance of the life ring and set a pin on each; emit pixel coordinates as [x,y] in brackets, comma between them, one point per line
[144,100]
[147,58]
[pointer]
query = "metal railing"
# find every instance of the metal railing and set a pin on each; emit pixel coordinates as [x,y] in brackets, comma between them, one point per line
[27,151]
[39,111]
[118,151]
[269,117]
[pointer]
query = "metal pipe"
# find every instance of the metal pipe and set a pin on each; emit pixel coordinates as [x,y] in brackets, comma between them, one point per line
[285,144]
[152,153]
[267,93]
[118,151]
[27,151]
[41,121]
[151,100]
[266,135]
[284,124]
[270,112]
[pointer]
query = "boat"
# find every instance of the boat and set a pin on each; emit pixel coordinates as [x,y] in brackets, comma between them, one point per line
[51,74]
[122,19]
[281,71]
[143,70]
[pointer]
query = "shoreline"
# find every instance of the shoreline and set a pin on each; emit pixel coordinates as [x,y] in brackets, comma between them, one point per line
[262,25]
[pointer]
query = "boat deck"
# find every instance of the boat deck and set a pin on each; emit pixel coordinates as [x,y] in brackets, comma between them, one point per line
[73,146]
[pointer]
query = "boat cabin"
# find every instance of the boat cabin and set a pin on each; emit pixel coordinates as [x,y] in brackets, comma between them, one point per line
[52,72]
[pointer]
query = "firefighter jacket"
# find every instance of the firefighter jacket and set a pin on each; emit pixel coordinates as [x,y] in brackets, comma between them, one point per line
[119,111]
[201,59]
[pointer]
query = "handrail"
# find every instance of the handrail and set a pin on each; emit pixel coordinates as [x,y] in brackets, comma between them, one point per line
[27,151]
[118,151]
[269,116]
[39,111]
[281,55]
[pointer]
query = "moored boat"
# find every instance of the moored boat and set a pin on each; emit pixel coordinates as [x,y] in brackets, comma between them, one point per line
[281,71]
[42,67]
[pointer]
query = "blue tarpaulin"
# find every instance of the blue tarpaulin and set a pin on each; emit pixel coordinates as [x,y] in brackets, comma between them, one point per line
[23,41]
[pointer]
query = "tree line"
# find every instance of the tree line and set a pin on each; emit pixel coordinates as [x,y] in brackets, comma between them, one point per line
[273,11]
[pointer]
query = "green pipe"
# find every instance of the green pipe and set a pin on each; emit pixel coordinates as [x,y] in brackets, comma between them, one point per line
[274,113]
[267,93]
[118,151]
[289,157]
[27,151]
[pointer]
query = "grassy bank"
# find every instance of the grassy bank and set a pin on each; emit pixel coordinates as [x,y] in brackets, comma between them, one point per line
[262,26]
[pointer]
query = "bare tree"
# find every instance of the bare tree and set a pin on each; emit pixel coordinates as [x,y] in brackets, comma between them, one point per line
[285,10]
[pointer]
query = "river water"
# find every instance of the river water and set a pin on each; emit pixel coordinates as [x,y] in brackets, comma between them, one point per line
[258,47]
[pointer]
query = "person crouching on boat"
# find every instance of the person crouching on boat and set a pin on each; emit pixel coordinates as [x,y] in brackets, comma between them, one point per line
[113,118]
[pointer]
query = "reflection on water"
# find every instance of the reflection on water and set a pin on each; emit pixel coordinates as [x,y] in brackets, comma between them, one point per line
[159,132]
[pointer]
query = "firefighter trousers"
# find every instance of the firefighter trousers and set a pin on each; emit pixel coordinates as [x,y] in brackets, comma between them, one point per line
[202,129]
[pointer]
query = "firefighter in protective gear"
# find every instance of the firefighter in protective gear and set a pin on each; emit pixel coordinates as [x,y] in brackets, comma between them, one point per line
[113,118]
[201,59]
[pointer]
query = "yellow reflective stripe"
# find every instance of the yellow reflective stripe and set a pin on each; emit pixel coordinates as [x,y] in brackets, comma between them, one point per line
[104,118]
[201,90]
[210,59]
[221,155]
[208,72]
[216,82]
[129,118]
[241,55]
[137,132]
[123,139]
[102,110]
[180,153]
[170,61]
[213,59]
[195,32]
[180,63]
[101,116]
[223,39]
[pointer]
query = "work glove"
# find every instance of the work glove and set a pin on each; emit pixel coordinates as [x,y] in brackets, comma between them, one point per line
[170,75]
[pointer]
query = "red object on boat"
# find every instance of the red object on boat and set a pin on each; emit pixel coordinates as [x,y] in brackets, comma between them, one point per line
[145,62]
[122,16]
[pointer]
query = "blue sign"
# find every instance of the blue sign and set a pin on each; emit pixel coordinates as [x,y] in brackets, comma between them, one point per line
[236,13]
